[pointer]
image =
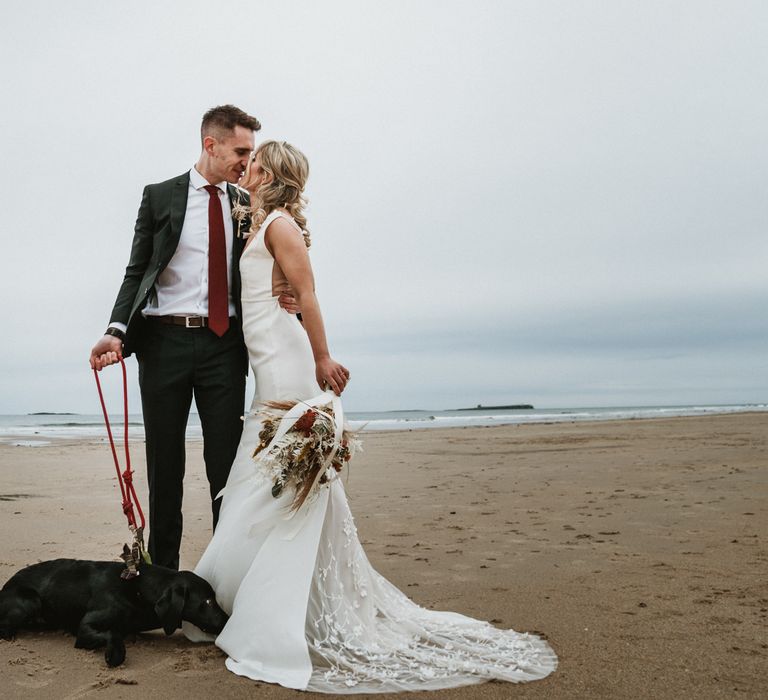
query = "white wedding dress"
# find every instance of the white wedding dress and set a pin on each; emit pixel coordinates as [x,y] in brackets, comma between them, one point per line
[308,611]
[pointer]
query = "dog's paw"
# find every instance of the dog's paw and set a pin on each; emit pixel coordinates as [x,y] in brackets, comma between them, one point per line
[115,653]
[7,634]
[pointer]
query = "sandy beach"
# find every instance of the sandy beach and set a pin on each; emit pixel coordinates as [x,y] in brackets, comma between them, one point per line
[638,548]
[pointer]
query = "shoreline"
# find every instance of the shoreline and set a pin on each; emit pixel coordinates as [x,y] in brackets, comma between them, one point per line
[25,440]
[637,547]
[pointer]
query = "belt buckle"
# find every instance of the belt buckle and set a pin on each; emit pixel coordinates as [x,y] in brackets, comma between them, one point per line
[198,321]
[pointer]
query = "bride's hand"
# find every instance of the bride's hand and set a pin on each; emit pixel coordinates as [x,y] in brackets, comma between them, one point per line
[330,373]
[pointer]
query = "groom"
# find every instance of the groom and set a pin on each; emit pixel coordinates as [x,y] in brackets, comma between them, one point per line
[178,310]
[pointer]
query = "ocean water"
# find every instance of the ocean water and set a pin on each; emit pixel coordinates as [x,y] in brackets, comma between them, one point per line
[35,430]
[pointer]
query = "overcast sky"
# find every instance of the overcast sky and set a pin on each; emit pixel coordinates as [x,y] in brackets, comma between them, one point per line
[562,203]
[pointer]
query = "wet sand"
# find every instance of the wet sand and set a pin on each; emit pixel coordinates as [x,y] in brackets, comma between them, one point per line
[638,548]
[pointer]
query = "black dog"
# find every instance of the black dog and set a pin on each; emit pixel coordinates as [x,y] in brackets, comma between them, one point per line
[92,601]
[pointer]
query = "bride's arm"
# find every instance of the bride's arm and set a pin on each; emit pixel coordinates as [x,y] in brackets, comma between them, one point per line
[288,248]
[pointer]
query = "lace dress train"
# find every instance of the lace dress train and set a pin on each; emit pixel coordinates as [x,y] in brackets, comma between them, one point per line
[308,610]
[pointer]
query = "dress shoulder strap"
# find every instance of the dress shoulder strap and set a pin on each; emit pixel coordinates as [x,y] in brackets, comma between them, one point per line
[274,214]
[277,213]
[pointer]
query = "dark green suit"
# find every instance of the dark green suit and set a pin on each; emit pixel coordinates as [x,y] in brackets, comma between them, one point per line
[177,363]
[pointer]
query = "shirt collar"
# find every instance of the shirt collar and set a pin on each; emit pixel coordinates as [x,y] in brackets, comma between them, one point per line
[198,181]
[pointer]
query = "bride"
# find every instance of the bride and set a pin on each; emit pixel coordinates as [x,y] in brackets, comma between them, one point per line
[308,611]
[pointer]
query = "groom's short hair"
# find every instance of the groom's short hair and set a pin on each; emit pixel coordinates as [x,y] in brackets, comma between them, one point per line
[221,120]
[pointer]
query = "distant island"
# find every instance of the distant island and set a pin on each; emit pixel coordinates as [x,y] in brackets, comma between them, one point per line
[50,413]
[480,407]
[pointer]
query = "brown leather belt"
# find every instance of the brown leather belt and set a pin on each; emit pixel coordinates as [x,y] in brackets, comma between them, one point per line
[186,321]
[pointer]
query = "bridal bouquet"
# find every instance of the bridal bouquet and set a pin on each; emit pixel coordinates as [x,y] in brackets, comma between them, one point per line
[302,456]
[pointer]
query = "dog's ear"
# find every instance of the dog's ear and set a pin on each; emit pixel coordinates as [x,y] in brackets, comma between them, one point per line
[170,606]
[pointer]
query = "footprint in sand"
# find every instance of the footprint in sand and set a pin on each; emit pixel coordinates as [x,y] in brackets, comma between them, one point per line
[104,681]
[189,663]
[38,674]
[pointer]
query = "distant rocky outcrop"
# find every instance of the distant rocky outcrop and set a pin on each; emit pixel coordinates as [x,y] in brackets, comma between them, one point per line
[513,407]
[50,413]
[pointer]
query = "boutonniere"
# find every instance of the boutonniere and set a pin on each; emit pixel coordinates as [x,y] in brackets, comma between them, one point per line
[241,212]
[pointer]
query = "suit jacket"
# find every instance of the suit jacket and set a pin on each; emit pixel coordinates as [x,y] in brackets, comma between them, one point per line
[156,236]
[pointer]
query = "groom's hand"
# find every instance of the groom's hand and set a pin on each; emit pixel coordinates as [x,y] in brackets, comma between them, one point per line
[289,303]
[107,351]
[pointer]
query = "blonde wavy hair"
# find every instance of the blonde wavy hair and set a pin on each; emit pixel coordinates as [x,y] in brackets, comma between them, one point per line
[289,168]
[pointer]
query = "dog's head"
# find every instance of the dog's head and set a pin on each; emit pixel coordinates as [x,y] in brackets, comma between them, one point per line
[191,598]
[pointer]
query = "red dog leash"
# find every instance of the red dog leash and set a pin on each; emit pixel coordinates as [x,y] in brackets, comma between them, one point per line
[125,479]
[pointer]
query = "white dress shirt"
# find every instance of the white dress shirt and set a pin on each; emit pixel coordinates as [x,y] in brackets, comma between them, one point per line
[181,289]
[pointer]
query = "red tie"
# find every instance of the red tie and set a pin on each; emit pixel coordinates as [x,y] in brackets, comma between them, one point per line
[218,291]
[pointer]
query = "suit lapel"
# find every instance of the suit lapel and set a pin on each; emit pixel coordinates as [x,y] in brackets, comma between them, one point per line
[178,209]
[236,197]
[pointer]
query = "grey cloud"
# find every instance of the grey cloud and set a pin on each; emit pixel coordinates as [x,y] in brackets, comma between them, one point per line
[559,200]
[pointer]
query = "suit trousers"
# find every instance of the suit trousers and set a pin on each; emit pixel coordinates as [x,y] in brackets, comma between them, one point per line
[175,365]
